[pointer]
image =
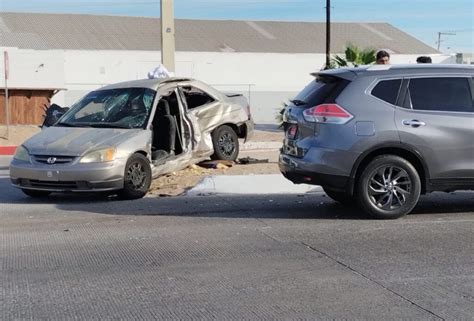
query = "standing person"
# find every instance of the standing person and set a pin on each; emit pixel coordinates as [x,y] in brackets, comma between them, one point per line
[423,60]
[382,58]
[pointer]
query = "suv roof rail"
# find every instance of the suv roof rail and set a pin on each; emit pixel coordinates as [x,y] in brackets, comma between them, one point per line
[379,67]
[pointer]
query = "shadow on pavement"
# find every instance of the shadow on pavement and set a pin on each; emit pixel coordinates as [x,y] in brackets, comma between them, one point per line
[282,206]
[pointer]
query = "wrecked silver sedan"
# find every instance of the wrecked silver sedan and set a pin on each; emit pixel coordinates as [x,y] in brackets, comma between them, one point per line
[120,137]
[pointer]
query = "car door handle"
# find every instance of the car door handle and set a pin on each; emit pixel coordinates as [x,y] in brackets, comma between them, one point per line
[413,123]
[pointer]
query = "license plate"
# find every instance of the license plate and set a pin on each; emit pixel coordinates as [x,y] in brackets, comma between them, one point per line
[52,175]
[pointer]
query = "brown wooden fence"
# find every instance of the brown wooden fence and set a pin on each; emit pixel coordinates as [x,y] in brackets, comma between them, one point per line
[25,106]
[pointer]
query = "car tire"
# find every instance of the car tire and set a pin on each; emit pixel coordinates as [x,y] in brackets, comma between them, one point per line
[388,188]
[35,193]
[137,178]
[225,143]
[341,197]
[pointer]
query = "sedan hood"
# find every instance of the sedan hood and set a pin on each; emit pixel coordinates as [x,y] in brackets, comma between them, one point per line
[67,141]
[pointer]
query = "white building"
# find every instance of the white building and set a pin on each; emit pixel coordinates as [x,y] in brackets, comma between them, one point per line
[267,61]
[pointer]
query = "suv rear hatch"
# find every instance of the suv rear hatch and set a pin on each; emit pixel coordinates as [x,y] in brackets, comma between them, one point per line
[323,92]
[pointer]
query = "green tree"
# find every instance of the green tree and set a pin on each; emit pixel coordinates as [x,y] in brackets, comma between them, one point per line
[354,57]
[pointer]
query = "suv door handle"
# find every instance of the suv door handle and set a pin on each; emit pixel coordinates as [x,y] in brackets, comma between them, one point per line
[413,123]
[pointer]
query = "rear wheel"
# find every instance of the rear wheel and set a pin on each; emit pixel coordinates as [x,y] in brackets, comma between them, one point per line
[341,197]
[137,177]
[389,187]
[226,143]
[35,193]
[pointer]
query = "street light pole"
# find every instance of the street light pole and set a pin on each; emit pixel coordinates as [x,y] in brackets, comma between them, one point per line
[167,35]
[328,33]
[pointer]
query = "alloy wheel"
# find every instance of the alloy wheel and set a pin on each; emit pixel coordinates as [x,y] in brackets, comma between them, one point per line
[390,187]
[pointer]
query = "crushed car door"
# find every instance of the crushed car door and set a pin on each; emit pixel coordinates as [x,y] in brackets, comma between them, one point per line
[171,145]
[207,109]
[201,132]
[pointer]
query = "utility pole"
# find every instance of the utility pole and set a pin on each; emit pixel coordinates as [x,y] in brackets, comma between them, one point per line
[167,34]
[444,33]
[6,66]
[328,33]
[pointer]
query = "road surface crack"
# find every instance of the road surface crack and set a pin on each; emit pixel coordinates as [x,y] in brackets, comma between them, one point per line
[371,280]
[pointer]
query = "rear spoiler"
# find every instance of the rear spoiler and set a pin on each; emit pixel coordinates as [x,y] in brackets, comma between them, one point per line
[335,73]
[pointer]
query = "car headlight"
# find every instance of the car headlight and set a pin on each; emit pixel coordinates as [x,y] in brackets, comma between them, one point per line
[99,156]
[22,154]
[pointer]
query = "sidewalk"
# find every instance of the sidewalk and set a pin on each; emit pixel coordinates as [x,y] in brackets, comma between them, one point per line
[265,136]
[249,185]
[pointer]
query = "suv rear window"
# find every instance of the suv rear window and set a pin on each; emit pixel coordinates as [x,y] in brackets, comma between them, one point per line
[387,90]
[441,94]
[322,90]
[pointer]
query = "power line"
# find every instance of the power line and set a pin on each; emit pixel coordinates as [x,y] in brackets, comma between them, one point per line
[461,30]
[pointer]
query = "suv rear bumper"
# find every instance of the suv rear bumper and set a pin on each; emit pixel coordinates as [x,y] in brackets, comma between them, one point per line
[295,170]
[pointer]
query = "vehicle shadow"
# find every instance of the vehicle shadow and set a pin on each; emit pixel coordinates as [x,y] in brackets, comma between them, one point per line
[276,206]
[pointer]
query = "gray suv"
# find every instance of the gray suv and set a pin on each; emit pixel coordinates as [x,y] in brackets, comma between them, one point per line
[379,136]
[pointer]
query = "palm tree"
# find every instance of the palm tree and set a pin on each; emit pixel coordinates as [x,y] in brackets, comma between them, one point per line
[355,57]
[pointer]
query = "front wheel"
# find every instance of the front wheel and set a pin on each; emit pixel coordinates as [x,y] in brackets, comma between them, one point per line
[137,177]
[389,187]
[226,143]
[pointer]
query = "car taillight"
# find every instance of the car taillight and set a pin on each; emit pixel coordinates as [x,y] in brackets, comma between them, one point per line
[327,114]
[249,114]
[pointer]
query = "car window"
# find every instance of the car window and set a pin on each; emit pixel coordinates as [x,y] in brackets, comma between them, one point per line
[387,90]
[441,94]
[124,107]
[321,90]
[195,97]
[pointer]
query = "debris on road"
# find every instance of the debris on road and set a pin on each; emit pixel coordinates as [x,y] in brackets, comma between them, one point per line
[216,164]
[251,160]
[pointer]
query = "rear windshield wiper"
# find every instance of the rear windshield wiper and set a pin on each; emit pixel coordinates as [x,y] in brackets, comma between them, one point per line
[298,102]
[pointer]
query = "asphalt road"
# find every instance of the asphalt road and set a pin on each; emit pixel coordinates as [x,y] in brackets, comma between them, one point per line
[232,257]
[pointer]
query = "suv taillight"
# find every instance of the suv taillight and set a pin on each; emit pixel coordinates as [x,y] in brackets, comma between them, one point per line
[327,114]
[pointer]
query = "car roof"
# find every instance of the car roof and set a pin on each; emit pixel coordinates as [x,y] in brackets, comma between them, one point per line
[382,70]
[146,83]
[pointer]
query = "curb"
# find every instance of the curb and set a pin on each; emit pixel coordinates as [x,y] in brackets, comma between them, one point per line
[7,150]
[266,184]
[261,145]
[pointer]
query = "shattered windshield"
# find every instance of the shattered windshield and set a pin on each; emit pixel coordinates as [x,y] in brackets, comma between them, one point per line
[112,108]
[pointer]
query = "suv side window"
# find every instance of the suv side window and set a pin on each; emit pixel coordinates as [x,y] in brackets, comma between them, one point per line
[387,90]
[441,94]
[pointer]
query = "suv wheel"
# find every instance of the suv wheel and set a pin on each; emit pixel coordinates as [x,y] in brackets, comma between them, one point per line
[341,197]
[389,187]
